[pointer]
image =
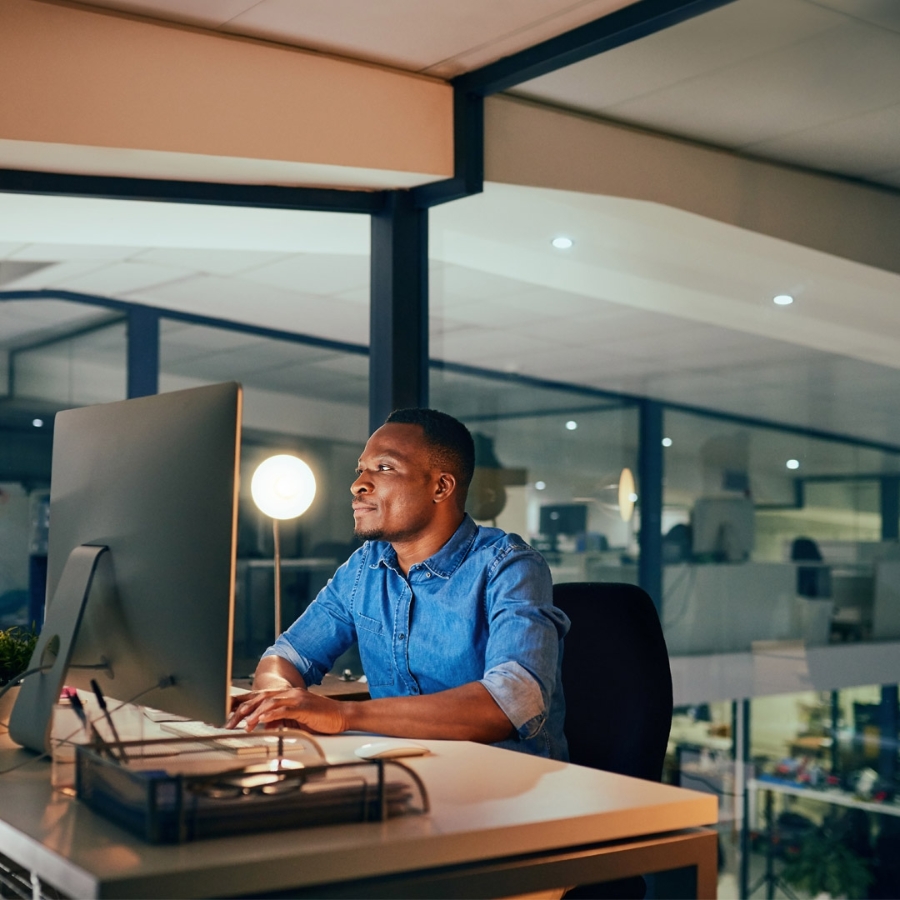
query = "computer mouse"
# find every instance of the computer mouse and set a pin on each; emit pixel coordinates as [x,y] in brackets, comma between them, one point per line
[390,750]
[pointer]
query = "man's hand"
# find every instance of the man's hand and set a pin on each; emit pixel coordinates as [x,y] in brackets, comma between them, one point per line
[291,707]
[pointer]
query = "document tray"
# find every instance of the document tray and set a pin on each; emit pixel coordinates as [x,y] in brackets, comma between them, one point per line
[163,807]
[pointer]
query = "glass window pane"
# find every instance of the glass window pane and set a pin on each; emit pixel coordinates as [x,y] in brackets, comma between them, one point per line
[773,535]
[548,464]
[302,399]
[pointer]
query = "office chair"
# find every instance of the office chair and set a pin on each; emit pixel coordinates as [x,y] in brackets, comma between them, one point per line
[618,689]
[812,581]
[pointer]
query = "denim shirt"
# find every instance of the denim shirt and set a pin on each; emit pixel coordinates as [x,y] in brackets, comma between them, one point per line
[480,609]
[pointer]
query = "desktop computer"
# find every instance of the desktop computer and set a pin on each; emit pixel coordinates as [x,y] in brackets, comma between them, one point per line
[142,550]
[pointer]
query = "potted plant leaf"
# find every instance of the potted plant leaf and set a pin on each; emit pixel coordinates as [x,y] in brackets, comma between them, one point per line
[16,647]
[827,865]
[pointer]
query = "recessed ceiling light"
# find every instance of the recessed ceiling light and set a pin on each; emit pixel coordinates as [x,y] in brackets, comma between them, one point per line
[783,300]
[539,485]
[632,497]
[667,442]
[571,424]
[38,423]
[562,243]
[793,463]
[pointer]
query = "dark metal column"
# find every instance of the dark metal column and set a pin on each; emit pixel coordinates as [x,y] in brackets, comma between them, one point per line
[398,333]
[143,351]
[650,499]
[888,713]
[890,507]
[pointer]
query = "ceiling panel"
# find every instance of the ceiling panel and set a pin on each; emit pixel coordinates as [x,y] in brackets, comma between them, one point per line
[204,13]
[864,145]
[813,83]
[210,262]
[442,39]
[720,38]
[885,13]
[844,71]
[53,274]
[314,273]
[122,278]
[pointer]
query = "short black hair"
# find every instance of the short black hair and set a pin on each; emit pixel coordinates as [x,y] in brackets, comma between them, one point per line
[450,441]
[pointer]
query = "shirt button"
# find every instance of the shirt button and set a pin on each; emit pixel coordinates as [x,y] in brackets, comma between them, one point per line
[402,637]
[428,574]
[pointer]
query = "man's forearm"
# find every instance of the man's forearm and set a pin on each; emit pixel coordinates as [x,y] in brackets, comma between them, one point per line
[276,673]
[465,713]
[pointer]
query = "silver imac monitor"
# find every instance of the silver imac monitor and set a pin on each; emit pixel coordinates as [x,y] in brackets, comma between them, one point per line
[143,535]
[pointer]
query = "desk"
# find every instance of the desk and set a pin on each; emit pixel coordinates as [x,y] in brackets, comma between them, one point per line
[501,823]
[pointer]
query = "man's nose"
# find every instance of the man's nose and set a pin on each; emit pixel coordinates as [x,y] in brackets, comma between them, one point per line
[360,485]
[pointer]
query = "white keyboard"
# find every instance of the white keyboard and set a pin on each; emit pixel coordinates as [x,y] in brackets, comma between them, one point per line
[225,738]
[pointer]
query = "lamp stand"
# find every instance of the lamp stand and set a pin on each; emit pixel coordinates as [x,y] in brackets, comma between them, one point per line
[277,572]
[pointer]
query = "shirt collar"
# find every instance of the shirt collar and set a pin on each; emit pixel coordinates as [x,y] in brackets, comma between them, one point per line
[443,563]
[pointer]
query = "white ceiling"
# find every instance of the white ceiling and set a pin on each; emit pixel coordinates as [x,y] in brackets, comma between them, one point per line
[815,83]
[650,301]
[439,39]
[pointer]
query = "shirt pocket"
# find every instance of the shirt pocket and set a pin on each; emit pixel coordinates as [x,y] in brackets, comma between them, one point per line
[374,651]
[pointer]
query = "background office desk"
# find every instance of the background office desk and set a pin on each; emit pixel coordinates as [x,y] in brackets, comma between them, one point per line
[501,823]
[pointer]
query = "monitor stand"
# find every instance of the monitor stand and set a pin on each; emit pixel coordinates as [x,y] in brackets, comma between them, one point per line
[32,716]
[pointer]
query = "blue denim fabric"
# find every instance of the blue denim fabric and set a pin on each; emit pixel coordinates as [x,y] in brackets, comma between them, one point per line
[480,609]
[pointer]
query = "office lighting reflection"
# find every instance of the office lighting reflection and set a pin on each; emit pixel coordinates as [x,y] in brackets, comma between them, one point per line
[783,300]
[562,243]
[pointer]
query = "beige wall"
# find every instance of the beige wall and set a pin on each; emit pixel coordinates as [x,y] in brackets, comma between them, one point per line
[156,95]
[530,144]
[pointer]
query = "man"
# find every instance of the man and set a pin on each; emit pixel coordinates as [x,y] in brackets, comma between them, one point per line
[457,631]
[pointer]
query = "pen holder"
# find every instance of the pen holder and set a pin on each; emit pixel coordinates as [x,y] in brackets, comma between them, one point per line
[125,723]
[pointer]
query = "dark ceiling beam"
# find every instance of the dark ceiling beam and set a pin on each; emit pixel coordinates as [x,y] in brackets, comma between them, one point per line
[468,154]
[203,192]
[636,21]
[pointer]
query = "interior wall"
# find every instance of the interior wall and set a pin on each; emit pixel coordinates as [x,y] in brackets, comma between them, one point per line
[527,143]
[88,90]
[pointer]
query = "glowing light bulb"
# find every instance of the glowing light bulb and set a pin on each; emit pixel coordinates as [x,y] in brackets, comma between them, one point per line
[283,486]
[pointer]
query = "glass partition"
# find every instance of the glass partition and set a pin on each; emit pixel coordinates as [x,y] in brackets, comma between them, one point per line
[54,355]
[773,535]
[549,462]
[301,398]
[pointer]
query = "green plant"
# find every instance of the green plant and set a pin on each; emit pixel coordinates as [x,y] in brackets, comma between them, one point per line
[825,864]
[16,647]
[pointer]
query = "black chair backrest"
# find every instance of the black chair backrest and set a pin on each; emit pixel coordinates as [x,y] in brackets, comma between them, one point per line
[616,679]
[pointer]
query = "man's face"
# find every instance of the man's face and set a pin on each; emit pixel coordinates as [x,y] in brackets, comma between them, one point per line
[393,495]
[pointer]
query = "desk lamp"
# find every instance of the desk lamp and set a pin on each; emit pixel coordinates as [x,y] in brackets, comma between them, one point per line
[283,487]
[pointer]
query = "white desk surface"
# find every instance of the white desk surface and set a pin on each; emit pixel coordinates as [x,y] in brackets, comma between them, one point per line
[486,803]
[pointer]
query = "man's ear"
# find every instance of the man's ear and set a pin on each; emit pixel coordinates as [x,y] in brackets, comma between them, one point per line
[446,487]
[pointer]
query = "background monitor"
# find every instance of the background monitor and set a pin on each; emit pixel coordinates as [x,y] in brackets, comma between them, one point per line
[155,480]
[564,518]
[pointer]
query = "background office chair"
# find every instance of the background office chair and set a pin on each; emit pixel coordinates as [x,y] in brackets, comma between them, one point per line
[812,581]
[618,688]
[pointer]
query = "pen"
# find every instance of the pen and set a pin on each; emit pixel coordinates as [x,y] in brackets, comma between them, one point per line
[112,727]
[78,706]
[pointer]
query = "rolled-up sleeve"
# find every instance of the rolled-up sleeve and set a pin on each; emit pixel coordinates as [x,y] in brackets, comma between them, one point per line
[525,631]
[326,628]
